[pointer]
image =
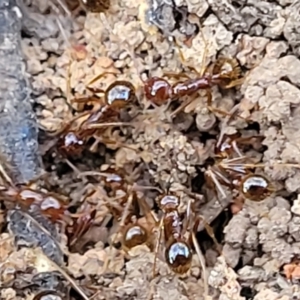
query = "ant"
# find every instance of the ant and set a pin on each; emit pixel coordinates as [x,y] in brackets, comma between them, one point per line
[159,91]
[123,202]
[178,247]
[233,169]
[117,96]
[53,206]
[225,73]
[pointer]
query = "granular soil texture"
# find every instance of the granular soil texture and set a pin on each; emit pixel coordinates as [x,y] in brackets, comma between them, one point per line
[254,252]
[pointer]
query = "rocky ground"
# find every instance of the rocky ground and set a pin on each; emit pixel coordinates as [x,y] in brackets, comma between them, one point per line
[133,40]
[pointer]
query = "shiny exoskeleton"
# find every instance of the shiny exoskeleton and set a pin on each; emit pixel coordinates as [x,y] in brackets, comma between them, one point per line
[96,6]
[255,187]
[52,206]
[178,252]
[159,90]
[234,170]
[133,233]
[116,97]
[49,204]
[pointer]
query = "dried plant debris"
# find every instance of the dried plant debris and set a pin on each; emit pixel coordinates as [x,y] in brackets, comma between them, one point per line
[142,151]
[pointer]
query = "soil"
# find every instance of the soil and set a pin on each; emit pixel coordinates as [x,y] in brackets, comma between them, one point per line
[258,243]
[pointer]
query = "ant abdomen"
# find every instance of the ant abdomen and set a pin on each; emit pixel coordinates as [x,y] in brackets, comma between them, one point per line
[178,255]
[119,94]
[158,90]
[134,236]
[256,187]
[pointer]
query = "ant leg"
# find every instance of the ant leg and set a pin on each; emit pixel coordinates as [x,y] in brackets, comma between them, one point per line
[182,106]
[235,83]
[160,229]
[108,141]
[220,111]
[4,175]
[96,90]
[202,264]
[67,126]
[89,98]
[214,109]
[121,227]
[213,181]
[204,54]
[217,110]
[98,77]
[193,240]
[186,226]
[101,125]
[209,230]
[152,218]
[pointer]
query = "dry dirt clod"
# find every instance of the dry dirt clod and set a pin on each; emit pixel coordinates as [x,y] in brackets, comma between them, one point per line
[135,40]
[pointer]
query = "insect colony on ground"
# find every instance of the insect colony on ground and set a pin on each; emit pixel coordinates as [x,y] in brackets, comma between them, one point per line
[231,168]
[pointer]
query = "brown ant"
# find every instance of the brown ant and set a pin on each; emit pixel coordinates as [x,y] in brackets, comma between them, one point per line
[123,202]
[51,205]
[117,96]
[224,73]
[178,247]
[233,169]
[159,91]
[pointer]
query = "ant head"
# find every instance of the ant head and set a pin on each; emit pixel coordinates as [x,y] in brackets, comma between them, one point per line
[178,256]
[134,235]
[119,94]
